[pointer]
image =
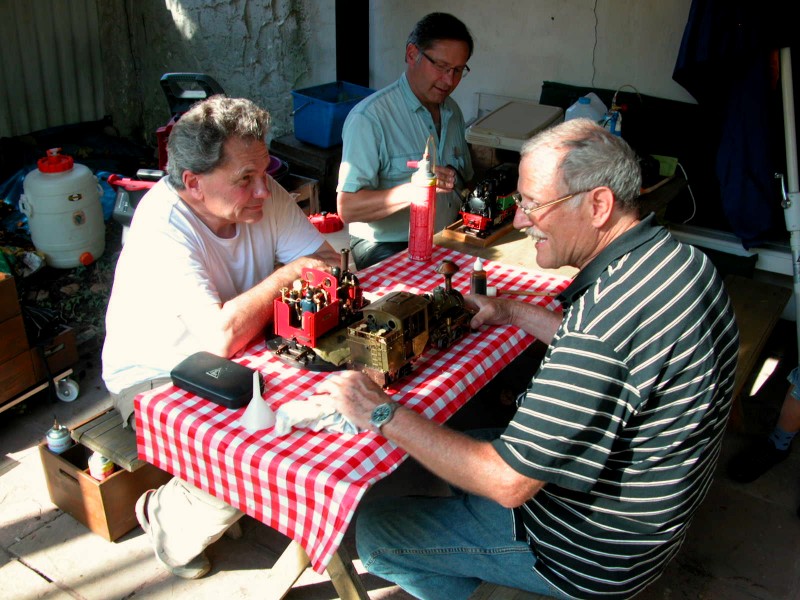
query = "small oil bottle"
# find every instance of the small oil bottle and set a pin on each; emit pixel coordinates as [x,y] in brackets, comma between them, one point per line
[477,283]
[58,438]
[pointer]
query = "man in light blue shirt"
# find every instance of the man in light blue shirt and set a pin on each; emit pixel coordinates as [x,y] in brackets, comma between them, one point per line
[391,127]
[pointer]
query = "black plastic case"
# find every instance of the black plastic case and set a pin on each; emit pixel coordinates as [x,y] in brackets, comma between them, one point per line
[218,379]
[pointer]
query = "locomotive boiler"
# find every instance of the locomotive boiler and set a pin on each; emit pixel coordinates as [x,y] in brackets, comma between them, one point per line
[491,203]
[399,327]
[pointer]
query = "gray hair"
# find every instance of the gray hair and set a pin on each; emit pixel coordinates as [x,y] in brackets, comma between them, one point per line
[196,142]
[593,157]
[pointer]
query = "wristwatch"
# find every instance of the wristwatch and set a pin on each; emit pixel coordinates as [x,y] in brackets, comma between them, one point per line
[381,415]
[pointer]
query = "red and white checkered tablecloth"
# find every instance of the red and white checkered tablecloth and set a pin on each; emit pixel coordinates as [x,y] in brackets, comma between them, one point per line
[306,484]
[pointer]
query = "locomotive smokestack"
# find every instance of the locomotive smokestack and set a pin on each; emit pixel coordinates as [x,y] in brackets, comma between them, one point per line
[448,268]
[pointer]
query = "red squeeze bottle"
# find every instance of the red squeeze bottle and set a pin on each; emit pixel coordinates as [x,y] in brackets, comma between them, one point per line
[423,207]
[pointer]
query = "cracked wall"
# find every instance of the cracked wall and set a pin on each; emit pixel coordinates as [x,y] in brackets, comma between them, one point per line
[257,50]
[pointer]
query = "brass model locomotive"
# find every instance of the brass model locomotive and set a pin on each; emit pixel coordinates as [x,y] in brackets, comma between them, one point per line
[383,337]
[399,327]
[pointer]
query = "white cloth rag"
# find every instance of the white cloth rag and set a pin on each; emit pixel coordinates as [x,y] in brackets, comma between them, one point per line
[316,415]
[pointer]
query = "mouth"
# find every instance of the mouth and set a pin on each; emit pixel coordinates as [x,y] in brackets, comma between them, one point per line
[535,235]
[254,209]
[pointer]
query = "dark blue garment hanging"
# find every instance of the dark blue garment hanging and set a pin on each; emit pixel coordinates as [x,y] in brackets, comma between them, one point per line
[726,61]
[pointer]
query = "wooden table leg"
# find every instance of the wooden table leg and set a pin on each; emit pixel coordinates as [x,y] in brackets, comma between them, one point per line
[286,571]
[345,578]
[294,560]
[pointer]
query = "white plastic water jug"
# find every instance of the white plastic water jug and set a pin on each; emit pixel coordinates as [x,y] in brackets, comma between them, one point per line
[587,107]
[62,202]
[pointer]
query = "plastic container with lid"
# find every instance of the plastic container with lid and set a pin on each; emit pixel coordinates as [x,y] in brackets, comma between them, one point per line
[509,126]
[587,107]
[477,284]
[100,467]
[62,202]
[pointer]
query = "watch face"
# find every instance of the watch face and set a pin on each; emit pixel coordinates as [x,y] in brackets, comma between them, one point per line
[382,414]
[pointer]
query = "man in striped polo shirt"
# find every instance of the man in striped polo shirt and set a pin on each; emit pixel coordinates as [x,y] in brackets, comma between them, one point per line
[589,491]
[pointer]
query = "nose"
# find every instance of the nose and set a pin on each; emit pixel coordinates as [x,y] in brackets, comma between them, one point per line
[449,77]
[521,220]
[261,188]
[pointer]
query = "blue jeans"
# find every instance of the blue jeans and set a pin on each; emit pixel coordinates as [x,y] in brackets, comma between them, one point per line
[443,547]
[366,253]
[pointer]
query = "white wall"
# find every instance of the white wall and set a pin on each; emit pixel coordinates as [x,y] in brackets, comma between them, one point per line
[521,43]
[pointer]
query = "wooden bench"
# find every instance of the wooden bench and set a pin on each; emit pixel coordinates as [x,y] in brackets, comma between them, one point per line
[105,434]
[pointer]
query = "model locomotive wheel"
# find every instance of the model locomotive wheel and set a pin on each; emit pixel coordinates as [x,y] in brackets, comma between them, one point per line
[67,389]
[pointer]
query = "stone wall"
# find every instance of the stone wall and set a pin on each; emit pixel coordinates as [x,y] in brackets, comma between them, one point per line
[258,50]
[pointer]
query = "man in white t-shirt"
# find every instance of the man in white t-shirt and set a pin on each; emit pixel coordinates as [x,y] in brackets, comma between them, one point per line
[209,249]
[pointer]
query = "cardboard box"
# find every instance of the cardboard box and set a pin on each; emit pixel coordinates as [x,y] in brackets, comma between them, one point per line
[61,353]
[16,376]
[105,507]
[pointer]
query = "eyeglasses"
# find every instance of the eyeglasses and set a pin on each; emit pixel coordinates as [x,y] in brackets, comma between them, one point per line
[529,210]
[443,68]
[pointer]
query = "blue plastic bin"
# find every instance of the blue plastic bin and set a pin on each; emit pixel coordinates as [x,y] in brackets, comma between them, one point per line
[319,111]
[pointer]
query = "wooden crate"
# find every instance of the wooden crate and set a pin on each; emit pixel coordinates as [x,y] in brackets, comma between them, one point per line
[9,302]
[105,434]
[16,376]
[305,192]
[757,306]
[60,353]
[105,507]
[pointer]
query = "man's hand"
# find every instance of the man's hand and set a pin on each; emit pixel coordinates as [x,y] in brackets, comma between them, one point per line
[490,311]
[354,395]
[533,319]
[446,178]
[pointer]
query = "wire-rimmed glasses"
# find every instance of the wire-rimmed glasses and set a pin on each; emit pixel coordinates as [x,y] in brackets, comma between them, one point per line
[529,210]
[459,72]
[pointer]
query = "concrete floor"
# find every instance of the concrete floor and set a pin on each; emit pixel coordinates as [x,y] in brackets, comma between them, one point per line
[744,543]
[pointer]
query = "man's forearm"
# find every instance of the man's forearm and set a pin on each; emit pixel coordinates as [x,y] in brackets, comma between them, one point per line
[365,206]
[471,465]
[536,320]
[245,316]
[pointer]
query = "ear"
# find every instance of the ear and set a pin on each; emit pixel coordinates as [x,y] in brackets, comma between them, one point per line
[602,206]
[192,184]
[412,52]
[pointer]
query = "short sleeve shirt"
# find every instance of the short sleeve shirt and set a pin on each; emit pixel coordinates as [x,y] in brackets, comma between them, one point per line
[624,419]
[385,131]
[172,262]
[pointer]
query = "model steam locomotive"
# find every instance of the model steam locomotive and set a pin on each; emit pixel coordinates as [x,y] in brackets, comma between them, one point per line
[491,203]
[383,337]
[399,327]
[316,304]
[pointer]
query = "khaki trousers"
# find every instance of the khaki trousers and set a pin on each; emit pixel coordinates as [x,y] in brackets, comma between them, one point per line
[123,401]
